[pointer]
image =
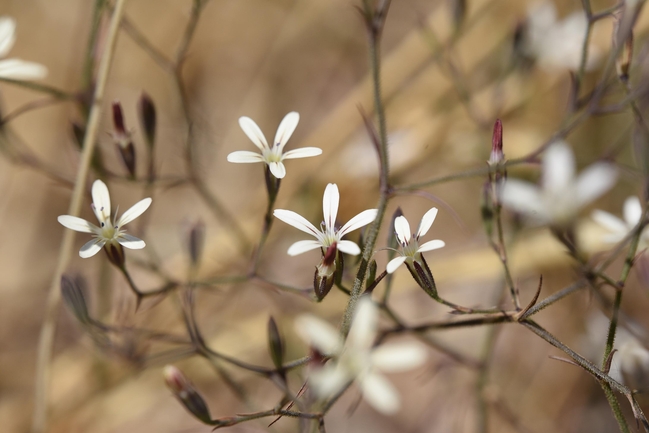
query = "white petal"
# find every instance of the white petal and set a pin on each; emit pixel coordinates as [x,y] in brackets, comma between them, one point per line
[300,247]
[610,222]
[131,242]
[398,357]
[330,201]
[253,132]
[286,128]
[91,248]
[380,393]
[363,330]
[348,247]
[595,181]
[244,157]
[394,264]
[278,169]
[303,152]
[329,380]
[632,211]
[426,221]
[402,229]
[360,220]
[78,224]
[101,200]
[431,245]
[135,211]
[17,69]
[297,221]
[558,167]
[319,334]
[522,197]
[7,35]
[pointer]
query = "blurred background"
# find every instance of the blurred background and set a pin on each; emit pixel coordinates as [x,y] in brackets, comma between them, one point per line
[450,68]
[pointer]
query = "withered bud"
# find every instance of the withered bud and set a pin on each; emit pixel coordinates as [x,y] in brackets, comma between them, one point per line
[275,344]
[623,62]
[148,117]
[115,253]
[123,139]
[73,298]
[323,279]
[497,155]
[185,392]
[196,242]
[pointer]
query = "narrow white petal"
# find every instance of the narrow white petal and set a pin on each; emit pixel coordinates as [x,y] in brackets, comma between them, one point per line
[329,380]
[7,35]
[131,242]
[379,393]
[558,167]
[278,169]
[91,248]
[348,247]
[244,157]
[402,229]
[17,69]
[426,221]
[297,221]
[394,264]
[363,330]
[632,211]
[610,222]
[101,200]
[135,211]
[300,247]
[303,152]
[522,197]
[286,128]
[431,245]
[398,357]
[319,334]
[253,132]
[330,201]
[78,224]
[360,220]
[595,181]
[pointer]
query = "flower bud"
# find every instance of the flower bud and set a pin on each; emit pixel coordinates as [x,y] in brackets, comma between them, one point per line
[275,344]
[123,139]
[497,155]
[73,298]
[148,118]
[623,61]
[195,242]
[185,392]
[323,279]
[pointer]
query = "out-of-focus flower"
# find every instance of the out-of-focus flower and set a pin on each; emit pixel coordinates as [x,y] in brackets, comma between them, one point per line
[557,44]
[328,234]
[411,250]
[273,156]
[561,195]
[357,359]
[16,69]
[618,229]
[108,233]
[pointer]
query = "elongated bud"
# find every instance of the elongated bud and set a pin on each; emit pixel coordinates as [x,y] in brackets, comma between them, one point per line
[275,344]
[371,273]
[497,155]
[123,139]
[195,242]
[323,280]
[148,118]
[115,253]
[72,294]
[186,394]
[623,62]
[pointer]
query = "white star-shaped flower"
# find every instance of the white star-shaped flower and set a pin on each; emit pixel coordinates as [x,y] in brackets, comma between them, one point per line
[15,69]
[107,232]
[411,250]
[328,234]
[357,359]
[561,195]
[619,229]
[272,155]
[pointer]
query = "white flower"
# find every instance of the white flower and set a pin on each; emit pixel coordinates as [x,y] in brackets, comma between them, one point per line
[411,250]
[272,156]
[619,229]
[561,195]
[15,68]
[107,232]
[357,359]
[327,235]
[557,44]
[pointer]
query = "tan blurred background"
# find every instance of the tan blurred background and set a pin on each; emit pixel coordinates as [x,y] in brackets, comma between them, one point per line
[264,58]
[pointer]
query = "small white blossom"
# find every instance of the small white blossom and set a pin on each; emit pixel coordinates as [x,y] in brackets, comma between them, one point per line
[272,155]
[357,359]
[108,232]
[561,195]
[328,234]
[619,229]
[15,69]
[411,250]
